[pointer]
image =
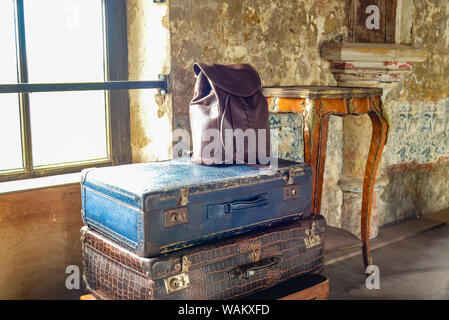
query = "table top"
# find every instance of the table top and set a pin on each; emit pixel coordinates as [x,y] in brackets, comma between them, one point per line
[320,92]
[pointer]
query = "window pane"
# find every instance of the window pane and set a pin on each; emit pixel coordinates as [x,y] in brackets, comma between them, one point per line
[67,126]
[10,144]
[8,72]
[64,40]
[66,46]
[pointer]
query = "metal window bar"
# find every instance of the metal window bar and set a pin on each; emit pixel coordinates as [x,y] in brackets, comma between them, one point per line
[84,86]
[23,88]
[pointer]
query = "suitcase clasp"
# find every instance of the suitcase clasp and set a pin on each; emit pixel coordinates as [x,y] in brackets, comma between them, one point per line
[176,283]
[289,176]
[174,217]
[311,239]
[179,281]
[291,192]
[184,198]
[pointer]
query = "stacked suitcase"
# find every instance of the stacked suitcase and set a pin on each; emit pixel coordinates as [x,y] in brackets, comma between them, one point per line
[177,230]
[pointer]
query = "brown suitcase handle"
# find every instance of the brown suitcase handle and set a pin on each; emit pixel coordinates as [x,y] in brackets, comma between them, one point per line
[248,270]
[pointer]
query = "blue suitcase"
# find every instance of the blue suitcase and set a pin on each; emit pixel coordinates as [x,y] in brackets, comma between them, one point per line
[160,207]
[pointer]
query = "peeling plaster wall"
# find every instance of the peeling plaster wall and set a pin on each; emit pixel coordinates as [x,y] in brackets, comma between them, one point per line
[430,80]
[150,113]
[280,39]
[416,189]
[415,158]
[416,153]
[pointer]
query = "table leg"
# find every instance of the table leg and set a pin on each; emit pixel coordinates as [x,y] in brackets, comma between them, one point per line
[318,160]
[306,139]
[379,136]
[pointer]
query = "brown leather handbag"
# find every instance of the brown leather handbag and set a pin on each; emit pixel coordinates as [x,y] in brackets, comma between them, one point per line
[229,116]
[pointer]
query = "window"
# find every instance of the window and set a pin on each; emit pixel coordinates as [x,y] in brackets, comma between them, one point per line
[57,42]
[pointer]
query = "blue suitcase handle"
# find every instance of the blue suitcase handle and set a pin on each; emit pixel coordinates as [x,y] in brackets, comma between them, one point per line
[221,209]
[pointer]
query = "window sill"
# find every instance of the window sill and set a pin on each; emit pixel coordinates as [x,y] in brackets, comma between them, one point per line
[39,183]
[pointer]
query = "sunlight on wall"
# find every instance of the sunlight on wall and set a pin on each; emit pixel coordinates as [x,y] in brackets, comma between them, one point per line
[149,54]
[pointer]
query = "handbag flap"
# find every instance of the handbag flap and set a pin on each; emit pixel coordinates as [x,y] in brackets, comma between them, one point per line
[239,79]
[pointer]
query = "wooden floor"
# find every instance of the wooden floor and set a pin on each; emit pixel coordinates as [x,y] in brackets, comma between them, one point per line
[411,267]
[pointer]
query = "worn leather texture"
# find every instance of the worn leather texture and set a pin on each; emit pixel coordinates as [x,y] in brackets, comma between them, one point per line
[228,97]
[227,269]
[131,204]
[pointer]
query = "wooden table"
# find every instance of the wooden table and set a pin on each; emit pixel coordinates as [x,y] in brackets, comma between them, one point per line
[316,105]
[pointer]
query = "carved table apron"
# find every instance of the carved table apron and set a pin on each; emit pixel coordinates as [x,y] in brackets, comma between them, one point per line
[316,105]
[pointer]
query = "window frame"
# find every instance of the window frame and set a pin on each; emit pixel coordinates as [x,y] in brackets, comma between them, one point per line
[116,95]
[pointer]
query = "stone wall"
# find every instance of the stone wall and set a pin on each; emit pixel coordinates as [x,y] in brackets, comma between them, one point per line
[430,80]
[279,38]
[416,153]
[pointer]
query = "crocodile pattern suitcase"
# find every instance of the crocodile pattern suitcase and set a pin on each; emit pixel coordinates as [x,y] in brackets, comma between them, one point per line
[228,269]
[161,207]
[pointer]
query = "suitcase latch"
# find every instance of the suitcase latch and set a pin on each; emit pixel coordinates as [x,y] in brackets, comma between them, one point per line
[184,200]
[179,281]
[311,239]
[174,217]
[288,176]
[290,192]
